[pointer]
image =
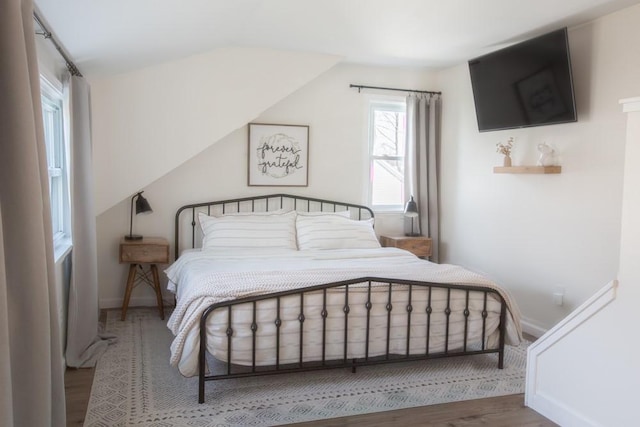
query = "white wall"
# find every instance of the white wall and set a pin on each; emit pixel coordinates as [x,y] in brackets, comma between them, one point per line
[532,233]
[599,386]
[337,116]
[147,122]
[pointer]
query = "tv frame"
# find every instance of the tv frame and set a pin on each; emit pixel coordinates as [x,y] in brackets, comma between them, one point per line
[527,84]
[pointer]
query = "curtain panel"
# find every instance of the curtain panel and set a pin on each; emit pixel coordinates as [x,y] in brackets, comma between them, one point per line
[84,345]
[422,164]
[31,366]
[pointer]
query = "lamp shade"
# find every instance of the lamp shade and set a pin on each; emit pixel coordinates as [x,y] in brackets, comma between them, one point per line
[411,209]
[142,206]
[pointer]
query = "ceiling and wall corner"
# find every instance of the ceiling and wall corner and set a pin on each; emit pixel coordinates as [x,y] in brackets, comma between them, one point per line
[116,36]
[209,45]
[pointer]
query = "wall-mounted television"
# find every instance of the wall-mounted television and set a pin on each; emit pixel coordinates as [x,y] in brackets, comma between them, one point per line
[526,84]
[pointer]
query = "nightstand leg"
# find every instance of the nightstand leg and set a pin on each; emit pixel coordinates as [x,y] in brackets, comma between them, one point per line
[156,286]
[127,293]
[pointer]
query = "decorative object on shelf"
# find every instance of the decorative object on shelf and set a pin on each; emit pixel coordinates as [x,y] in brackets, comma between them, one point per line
[278,155]
[142,206]
[505,149]
[546,154]
[411,211]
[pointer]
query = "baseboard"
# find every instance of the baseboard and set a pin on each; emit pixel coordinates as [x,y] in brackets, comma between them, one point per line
[133,302]
[531,328]
[558,412]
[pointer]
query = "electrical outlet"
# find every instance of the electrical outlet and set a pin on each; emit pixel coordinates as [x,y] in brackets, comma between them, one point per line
[558,296]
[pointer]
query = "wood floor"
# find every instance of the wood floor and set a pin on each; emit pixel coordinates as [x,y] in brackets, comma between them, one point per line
[77,388]
[506,411]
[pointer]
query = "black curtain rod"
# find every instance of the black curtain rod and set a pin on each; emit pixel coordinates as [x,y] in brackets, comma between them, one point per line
[395,89]
[47,35]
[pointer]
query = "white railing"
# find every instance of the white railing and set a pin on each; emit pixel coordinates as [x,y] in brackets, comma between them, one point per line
[536,400]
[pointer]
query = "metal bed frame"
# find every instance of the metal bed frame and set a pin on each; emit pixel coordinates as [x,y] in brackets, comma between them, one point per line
[390,286]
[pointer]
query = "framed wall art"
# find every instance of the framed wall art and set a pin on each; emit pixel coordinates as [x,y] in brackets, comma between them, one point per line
[278,155]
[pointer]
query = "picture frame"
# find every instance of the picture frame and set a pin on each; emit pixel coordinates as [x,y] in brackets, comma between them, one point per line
[278,155]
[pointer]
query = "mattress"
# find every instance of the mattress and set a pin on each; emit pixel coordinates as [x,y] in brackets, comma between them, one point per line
[200,278]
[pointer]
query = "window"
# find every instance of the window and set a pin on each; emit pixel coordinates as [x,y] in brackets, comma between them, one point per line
[387,131]
[52,114]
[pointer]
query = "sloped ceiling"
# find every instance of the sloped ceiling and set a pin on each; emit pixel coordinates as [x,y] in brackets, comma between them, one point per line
[147,122]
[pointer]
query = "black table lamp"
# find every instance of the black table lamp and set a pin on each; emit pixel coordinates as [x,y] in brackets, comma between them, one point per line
[142,206]
[411,211]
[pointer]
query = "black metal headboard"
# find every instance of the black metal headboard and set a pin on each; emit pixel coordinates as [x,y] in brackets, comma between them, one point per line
[186,215]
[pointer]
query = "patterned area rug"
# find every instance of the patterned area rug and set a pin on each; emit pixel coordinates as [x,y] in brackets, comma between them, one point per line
[135,385]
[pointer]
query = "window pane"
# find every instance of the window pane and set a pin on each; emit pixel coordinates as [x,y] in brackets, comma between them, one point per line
[54,140]
[387,136]
[389,133]
[387,178]
[57,207]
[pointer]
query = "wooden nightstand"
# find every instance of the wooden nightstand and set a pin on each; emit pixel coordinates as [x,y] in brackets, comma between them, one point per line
[137,253]
[418,245]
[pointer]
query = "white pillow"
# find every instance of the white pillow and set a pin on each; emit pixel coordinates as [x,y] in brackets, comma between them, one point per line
[277,231]
[220,215]
[344,214]
[277,212]
[334,232]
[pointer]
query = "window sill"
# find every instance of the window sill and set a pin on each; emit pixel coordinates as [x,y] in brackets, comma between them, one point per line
[61,248]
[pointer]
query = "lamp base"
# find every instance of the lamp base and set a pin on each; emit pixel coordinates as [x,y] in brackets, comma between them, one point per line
[133,237]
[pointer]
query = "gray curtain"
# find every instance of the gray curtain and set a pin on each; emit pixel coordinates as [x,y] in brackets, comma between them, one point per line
[84,345]
[422,163]
[31,366]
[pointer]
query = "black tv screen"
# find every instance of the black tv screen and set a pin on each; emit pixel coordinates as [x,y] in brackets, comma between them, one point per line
[527,84]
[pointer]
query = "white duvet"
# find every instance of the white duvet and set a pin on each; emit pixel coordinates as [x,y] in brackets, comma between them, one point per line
[203,277]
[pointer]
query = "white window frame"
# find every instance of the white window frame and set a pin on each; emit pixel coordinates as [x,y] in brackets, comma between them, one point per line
[386,104]
[53,114]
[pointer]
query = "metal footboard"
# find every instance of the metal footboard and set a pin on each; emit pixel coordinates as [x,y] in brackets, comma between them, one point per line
[456,303]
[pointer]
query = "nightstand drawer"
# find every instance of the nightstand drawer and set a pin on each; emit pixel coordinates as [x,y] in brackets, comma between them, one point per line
[145,251]
[418,245]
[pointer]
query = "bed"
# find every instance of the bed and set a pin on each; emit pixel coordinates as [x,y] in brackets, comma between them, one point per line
[282,284]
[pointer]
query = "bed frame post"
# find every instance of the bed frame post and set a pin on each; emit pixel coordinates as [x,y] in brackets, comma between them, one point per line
[202,362]
[503,332]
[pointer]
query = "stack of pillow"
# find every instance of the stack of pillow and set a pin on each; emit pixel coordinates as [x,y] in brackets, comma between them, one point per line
[287,230]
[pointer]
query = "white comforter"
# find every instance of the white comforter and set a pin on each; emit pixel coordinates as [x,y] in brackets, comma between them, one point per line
[203,277]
